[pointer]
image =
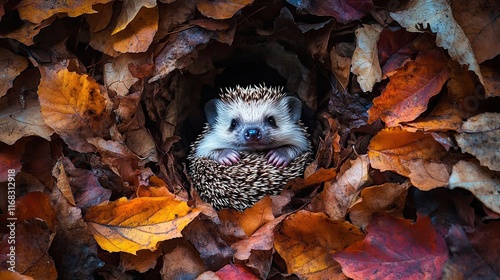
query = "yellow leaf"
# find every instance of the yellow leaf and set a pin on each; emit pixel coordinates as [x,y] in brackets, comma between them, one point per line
[72,105]
[307,241]
[139,34]
[132,225]
[35,11]
[130,9]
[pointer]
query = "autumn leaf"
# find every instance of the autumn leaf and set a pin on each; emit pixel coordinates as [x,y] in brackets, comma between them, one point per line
[365,62]
[396,249]
[342,10]
[36,11]
[235,271]
[412,154]
[410,88]
[132,225]
[72,105]
[117,76]
[221,9]
[13,65]
[139,34]
[130,9]
[307,241]
[437,16]
[479,137]
[482,182]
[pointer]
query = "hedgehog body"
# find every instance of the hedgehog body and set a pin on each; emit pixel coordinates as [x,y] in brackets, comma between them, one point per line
[251,146]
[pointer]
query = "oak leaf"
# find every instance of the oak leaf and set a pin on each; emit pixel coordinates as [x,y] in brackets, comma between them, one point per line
[365,62]
[342,10]
[482,182]
[479,137]
[412,154]
[437,16]
[307,241]
[396,249]
[410,89]
[72,105]
[132,225]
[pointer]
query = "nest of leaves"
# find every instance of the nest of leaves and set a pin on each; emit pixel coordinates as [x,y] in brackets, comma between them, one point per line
[100,102]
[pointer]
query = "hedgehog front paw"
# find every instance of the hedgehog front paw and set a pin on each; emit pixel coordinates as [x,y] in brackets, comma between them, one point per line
[228,157]
[278,157]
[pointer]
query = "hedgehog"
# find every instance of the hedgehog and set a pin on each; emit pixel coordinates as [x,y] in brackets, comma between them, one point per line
[253,143]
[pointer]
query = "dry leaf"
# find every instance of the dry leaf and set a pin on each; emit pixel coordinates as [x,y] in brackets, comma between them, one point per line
[342,10]
[365,62]
[307,241]
[142,262]
[479,137]
[410,88]
[139,34]
[181,260]
[132,225]
[437,16]
[221,9]
[483,183]
[36,11]
[12,65]
[117,76]
[130,9]
[339,194]
[389,198]
[72,105]
[396,249]
[408,153]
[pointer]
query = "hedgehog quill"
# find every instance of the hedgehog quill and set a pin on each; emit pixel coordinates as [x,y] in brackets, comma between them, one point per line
[252,144]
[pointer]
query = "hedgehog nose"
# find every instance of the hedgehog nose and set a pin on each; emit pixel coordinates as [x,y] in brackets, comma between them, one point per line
[253,134]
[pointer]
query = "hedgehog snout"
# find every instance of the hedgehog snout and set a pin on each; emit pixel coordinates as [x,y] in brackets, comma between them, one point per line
[253,135]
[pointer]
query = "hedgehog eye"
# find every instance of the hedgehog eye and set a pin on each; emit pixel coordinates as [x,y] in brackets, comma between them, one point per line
[234,123]
[271,121]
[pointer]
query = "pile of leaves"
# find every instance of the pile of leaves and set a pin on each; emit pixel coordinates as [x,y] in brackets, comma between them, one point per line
[100,99]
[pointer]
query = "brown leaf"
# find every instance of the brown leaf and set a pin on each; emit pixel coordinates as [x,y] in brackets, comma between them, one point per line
[235,271]
[36,205]
[73,106]
[142,262]
[131,225]
[9,275]
[444,117]
[32,241]
[339,194]
[480,24]
[139,34]
[412,154]
[465,262]
[396,249]
[307,241]
[484,239]
[130,9]
[491,81]
[221,9]
[449,34]
[12,65]
[181,260]
[365,62]
[482,182]
[479,137]
[36,11]
[180,51]
[10,159]
[117,76]
[410,88]
[389,198]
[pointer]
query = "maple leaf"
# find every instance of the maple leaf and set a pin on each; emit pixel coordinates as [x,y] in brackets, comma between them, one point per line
[396,248]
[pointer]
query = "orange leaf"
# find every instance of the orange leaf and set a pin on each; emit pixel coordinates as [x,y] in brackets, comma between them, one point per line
[409,90]
[130,9]
[411,154]
[396,249]
[72,104]
[35,11]
[221,9]
[131,225]
[36,205]
[307,241]
[139,34]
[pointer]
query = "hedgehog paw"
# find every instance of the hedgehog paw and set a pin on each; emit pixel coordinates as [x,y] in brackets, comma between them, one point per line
[228,157]
[278,157]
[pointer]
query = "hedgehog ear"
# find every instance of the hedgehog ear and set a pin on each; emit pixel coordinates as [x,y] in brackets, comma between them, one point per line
[294,107]
[211,111]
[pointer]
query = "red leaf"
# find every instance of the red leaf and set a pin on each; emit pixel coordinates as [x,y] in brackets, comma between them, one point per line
[235,271]
[396,249]
[342,10]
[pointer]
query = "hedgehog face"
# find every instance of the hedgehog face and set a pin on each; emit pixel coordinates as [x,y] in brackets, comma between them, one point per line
[254,125]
